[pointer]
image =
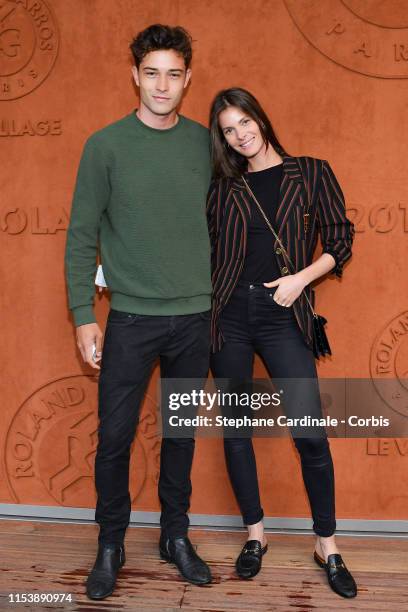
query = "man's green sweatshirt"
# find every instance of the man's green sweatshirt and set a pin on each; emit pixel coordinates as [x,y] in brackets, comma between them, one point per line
[140,197]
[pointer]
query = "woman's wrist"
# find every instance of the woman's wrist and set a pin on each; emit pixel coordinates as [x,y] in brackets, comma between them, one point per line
[318,268]
[303,276]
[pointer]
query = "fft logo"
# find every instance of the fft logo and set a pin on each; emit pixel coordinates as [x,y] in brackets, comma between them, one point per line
[389,361]
[51,445]
[28,46]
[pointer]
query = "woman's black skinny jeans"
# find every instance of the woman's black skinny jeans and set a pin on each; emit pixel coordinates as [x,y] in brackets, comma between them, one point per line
[253,322]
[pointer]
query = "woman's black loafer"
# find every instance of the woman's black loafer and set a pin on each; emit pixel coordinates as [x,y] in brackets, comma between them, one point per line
[340,579]
[249,561]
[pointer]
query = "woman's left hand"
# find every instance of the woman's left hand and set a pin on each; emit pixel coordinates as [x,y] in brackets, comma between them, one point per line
[288,289]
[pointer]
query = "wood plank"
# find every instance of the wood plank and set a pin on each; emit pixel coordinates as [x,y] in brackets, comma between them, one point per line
[56,557]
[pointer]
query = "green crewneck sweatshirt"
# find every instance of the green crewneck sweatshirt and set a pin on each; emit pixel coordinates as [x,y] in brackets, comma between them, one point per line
[140,198]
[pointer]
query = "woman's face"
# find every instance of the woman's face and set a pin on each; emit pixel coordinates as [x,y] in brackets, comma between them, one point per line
[241,131]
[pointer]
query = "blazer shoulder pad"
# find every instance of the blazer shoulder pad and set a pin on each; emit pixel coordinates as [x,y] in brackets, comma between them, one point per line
[309,159]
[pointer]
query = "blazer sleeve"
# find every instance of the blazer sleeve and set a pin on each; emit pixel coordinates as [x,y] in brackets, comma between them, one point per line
[336,231]
[217,194]
[212,198]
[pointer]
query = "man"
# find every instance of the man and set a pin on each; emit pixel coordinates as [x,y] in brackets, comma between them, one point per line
[140,195]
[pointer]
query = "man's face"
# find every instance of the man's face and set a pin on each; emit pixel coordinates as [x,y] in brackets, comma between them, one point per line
[161,78]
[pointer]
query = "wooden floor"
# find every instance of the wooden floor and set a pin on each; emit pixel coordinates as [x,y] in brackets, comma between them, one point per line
[56,558]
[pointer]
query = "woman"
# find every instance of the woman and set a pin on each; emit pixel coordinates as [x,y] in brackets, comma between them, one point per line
[260,285]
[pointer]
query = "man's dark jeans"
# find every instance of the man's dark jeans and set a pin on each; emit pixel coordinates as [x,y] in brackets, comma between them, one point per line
[132,345]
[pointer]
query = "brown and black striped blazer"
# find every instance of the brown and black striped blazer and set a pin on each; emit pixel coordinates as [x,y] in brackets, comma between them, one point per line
[229,208]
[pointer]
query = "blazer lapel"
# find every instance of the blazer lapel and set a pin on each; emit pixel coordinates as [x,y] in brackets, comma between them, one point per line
[289,191]
[290,188]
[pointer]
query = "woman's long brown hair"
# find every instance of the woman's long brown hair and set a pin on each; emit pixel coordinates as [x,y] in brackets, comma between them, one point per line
[226,161]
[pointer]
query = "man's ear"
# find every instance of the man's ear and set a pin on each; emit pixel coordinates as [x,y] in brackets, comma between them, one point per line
[135,74]
[188,77]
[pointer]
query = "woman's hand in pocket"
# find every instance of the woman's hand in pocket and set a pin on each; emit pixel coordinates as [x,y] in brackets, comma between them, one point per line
[288,289]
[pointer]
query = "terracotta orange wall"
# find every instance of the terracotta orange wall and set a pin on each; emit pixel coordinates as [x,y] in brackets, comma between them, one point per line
[332,76]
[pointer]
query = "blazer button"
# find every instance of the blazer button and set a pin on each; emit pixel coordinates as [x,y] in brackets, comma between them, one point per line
[278,251]
[284,270]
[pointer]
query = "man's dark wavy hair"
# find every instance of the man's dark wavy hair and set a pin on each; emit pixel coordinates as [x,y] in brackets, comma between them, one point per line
[157,37]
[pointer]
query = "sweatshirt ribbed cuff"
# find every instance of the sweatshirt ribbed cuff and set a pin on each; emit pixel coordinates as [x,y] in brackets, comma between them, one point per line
[83,315]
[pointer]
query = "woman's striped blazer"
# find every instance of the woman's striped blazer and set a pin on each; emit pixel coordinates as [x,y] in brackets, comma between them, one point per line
[307,183]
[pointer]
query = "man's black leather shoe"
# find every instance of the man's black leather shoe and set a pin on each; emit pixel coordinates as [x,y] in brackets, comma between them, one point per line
[249,561]
[340,579]
[180,551]
[102,579]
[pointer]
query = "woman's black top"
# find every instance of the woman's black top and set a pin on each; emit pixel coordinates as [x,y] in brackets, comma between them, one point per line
[260,264]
